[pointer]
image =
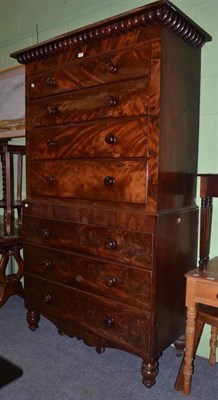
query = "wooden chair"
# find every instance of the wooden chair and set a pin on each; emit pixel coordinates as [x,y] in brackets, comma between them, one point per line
[208,269]
[11,241]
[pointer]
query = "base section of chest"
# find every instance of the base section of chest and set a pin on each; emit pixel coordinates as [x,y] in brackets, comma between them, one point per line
[98,321]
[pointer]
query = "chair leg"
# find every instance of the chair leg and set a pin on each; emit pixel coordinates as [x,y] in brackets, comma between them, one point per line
[213,345]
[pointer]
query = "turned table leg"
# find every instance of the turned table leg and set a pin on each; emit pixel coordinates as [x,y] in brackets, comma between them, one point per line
[213,345]
[188,360]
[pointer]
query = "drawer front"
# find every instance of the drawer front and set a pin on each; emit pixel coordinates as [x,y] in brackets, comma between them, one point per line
[207,292]
[110,244]
[126,138]
[117,323]
[107,68]
[126,284]
[117,66]
[55,80]
[108,101]
[98,180]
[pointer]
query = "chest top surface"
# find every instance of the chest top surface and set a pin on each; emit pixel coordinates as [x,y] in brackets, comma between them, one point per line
[160,13]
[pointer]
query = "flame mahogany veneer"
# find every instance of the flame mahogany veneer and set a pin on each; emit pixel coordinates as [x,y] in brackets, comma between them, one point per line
[110,220]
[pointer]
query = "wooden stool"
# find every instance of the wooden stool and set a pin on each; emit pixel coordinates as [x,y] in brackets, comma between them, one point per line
[11,241]
[10,284]
[12,165]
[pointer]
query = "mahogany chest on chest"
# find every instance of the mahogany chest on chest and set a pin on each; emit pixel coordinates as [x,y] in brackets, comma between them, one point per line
[110,221]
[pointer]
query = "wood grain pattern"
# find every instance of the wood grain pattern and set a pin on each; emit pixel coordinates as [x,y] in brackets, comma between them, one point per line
[82,73]
[95,213]
[130,247]
[86,179]
[160,12]
[95,49]
[90,313]
[115,281]
[127,98]
[129,138]
[110,220]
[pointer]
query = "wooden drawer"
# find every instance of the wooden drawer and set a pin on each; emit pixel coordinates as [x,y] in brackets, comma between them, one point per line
[123,181]
[110,244]
[126,138]
[119,324]
[88,72]
[126,284]
[54,80]
[207,292]
[121,99]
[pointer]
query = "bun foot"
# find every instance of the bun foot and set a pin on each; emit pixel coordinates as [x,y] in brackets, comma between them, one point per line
[33,319]
[180,346]
[100,350]
[149,372]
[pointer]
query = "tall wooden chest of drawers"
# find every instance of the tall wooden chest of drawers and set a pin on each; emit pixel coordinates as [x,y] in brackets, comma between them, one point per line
[110,220]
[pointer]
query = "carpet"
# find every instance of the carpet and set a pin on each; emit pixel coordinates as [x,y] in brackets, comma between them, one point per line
[61,368]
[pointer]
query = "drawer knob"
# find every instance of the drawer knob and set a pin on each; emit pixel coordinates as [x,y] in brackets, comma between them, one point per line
[47,298]
[50,81]
[108,322]
[110,244]
[51,144]
[47,264]
[45,233]
[110,138]
[109,180]
[110,67]
[110,281]
[51,111]
[51,179]
[110,101]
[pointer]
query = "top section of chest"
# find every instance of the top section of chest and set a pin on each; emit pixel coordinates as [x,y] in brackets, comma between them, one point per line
[139,26]
[135,77]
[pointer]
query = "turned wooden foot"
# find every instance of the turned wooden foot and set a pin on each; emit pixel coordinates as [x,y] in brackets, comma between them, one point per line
[100,350]
[149,372]
[33,319]
[180,346]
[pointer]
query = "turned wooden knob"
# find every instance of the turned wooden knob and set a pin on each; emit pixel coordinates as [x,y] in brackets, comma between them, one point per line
[51,144]
[51,179]
[45,233]
[110,101]
[110,244]
[108,322]
[109,180]
[47,298]
[110,67]
[47,264]
[110,138]
[52,111]
[110,281]
[50,81]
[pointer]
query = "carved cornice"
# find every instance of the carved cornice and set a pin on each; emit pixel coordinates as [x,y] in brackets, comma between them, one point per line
[161,13]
